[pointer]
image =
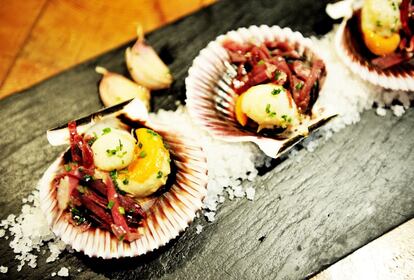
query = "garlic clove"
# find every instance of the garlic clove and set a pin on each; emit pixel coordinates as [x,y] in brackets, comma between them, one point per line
[145,66]
[115,89]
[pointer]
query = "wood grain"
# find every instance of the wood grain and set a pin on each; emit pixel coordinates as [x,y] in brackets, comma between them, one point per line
[17,19]
[68,32]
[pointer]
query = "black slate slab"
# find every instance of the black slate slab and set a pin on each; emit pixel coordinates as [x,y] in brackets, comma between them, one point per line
[309,211]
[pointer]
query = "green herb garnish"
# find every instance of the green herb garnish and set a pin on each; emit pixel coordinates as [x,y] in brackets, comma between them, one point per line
[121,210]
[117,151]
[277,75]
[268,112]
[142,154]
[139,145]
[276,91]
[125,181]
[299,86]
[152,132]
[261,62]
[159,174]
[77,216]
[110,204]
[68,167]
[106,130]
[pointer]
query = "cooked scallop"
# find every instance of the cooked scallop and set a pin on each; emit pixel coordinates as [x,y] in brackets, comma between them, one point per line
[380,24]
[113,149]
[150,167]
[270,106]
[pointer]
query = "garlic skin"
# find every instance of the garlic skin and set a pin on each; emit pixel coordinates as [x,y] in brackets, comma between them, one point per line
[145,66]
[115,89]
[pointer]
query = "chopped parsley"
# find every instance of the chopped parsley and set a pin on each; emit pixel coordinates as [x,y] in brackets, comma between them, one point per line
[121,210]
[68,167]
[77,216]
[117,151]
[299,85]
[277,75]
[142,154]
[87,178]
[92,140]
[276,91]
[106,130]
[261,62]
[268,112]
[125,181]
[153,133]
[113,174]
[110,204]
[139,145]
[378,23]
[159,174]
[287,118]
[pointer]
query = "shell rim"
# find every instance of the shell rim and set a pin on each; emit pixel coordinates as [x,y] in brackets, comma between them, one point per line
[46,203]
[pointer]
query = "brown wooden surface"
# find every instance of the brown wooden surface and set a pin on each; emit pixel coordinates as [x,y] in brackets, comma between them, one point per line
[39,38]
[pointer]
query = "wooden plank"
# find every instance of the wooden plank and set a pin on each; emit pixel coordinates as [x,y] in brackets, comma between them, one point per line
[71,31]
[16,21]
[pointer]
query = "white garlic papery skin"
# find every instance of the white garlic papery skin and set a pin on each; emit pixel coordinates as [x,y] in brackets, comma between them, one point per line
[115,88]
[145,66]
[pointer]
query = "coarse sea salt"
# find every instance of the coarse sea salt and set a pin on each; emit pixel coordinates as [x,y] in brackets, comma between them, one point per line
[4,269]
[229,164]
[199,229]
[63,272]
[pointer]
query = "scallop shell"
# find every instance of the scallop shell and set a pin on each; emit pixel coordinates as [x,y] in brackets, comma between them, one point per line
[171,214]
[210,98]
[347,45]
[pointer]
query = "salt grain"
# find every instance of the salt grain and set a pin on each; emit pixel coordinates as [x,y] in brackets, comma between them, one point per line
[4,269]
[53,274]
[63,272]
[250,192]
[199,229]
[398,110]
[381,111]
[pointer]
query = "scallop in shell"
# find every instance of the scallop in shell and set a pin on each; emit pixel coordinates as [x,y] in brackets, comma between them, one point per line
[168,212]
[211,97]
[354,54]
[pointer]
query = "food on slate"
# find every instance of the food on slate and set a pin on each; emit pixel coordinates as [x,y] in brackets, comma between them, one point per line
[115,89]
[387,28]
[276,83]
[145,66]
[104,173]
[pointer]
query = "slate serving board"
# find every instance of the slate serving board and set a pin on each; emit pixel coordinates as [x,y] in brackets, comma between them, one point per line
[308,212]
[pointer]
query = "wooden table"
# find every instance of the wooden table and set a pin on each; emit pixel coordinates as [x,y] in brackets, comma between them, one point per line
[37,43]
[39,38]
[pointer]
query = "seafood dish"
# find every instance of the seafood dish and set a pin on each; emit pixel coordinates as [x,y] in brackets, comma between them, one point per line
[387,29]
[258,84]
[125,176]
[276,85]
[376,41]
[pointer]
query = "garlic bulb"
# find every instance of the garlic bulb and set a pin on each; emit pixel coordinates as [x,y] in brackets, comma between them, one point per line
[115,88]
[145,66]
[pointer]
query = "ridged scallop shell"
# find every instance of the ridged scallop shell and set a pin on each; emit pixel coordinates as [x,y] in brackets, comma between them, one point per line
[210,98]
[171,214]
[396,78]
